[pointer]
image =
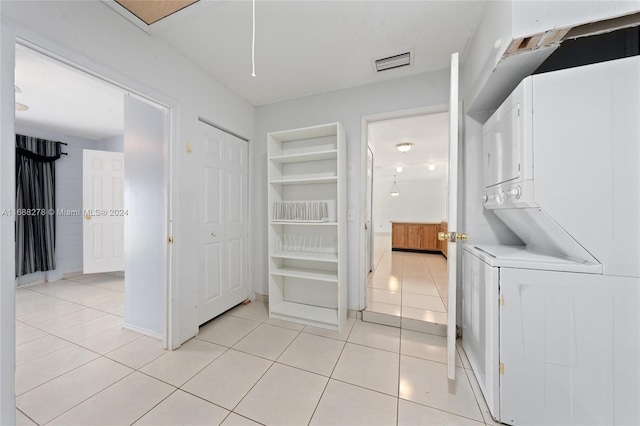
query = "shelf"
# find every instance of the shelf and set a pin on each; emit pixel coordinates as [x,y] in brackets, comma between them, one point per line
[311,315]
[304,181]
[307,166]
[309,256]
[306,273]
[302,222]
[311,156]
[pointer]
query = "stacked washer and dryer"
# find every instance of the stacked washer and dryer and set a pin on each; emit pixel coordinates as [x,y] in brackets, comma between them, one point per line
[552,329]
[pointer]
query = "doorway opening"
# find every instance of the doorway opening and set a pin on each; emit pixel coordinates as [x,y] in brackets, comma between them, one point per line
[405,273]
[65,309]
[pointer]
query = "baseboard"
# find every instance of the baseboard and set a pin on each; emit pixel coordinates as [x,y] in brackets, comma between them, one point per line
[262,298]
[72,274]
[352,313]
[141,330]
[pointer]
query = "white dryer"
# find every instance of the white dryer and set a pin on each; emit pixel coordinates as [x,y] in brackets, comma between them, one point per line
[552,329]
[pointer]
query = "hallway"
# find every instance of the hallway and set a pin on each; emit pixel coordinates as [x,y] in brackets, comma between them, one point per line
[407,288]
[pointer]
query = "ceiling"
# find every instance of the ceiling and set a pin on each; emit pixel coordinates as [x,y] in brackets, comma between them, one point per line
[302,48]
[65,100]
[428,133]
[308,47]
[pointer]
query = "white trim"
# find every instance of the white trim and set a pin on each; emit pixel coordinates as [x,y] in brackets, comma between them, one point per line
[7,244]
[142,330]
[364,141]
[72,59]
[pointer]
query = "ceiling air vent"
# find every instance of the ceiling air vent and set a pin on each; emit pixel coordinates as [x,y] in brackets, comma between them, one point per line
[391,62]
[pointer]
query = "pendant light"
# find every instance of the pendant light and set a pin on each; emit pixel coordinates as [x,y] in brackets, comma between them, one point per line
[394,188]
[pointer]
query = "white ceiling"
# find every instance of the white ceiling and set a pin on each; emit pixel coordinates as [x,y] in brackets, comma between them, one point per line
[428,133]
[302,48]
[65,100]
[308,47]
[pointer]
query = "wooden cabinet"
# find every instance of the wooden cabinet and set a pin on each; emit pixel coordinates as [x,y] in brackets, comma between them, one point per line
[442,245]
[429,237]
[415,236]
[399,235]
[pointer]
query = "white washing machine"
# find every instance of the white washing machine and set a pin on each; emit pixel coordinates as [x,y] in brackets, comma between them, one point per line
[552,329]
[524,333]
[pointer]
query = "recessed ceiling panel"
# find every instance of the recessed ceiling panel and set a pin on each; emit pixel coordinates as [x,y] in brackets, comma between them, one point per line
[151,11]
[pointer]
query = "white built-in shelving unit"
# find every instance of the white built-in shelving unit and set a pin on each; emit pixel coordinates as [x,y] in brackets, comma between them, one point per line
[307,226]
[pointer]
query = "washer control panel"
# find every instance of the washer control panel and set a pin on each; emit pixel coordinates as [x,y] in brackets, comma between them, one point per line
[509,196]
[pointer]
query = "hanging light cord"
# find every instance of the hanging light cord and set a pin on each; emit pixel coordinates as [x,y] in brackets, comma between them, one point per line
[253,43]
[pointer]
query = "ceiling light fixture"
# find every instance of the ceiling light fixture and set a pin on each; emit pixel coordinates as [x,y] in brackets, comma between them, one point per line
[394,188]
[432,167]
[399,169]
[404,146]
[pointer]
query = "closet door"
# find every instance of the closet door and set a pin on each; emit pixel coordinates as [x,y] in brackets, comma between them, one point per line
[222,222]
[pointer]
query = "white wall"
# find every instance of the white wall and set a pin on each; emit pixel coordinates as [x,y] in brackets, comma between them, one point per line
[94,36]
[420,200]
[346,106]
[113,144]
[7,231]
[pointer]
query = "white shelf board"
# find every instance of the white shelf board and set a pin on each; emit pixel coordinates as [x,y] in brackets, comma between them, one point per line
[311,156]
[306,273]
[309,256]
[333,179]
[302,222]
[306,133]
[312,315]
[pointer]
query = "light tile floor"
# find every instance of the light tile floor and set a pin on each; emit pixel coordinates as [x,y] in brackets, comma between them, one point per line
[77,366]
[407,285]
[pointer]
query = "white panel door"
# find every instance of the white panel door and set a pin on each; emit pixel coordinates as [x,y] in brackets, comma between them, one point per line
[103,211]
[452,218]
[223,222]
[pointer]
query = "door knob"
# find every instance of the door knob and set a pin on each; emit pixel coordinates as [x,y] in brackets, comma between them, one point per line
[87,216]
[452,236]
[213,234]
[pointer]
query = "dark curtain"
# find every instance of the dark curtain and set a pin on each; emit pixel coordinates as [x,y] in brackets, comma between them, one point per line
[35,204]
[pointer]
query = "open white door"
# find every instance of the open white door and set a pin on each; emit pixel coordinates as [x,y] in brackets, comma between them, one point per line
[223,222]
[452,218]
[103,211]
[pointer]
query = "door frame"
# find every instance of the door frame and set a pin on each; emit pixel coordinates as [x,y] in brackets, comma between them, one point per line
[77,62]
[364,141]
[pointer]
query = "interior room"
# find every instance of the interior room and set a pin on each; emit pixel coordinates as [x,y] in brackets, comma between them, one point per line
[260,283]
[408,282]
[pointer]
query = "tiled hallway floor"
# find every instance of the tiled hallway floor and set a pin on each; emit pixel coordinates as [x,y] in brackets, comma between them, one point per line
[77,366]
[407,285]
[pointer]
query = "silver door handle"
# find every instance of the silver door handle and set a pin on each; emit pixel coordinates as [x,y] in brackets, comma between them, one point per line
[213,234]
